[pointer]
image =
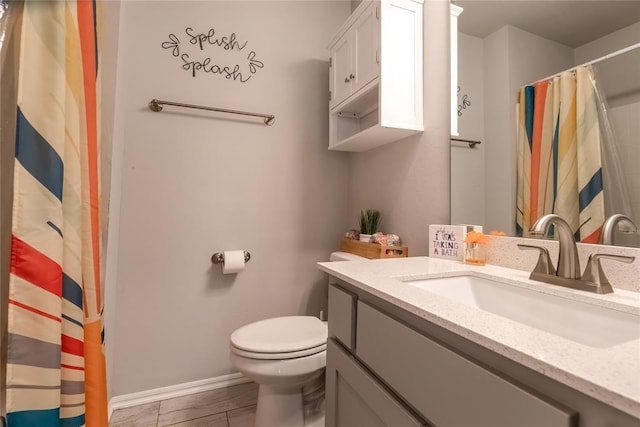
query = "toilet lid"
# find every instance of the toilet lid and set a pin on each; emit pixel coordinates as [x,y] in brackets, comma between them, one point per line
[281,334]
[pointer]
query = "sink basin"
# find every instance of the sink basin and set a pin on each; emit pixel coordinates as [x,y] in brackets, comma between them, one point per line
[592,325]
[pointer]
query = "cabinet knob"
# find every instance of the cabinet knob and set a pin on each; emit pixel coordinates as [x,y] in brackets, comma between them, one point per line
[351,77]
[346,79]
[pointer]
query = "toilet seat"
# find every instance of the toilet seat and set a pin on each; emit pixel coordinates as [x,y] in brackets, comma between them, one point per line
[281,356]
[280,338]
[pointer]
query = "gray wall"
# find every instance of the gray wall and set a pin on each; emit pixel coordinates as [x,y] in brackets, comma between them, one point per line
[467,164]
[408,180]
[607,44]
[193,183]
[186,184]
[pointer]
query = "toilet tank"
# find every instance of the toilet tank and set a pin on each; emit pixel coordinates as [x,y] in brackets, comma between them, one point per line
[345,256]
[338,256]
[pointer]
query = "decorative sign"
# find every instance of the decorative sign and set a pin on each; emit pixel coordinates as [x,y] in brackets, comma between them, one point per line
[465,102]
[209,53]
[447,241]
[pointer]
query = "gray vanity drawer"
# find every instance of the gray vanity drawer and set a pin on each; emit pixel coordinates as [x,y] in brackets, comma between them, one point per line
[342,316]
[446,388]
[359,400]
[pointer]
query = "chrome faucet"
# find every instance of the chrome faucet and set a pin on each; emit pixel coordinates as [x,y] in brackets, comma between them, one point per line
[611,224]
[567,273]
[568,261]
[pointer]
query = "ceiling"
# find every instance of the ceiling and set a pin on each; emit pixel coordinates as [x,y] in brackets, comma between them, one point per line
[571,23]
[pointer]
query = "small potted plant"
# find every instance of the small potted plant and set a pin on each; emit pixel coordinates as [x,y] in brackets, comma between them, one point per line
[369,219]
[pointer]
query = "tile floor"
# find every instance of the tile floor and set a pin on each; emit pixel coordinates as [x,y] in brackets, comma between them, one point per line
[227,407]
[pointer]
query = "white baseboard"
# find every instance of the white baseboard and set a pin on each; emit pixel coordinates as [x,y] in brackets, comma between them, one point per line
[178,390]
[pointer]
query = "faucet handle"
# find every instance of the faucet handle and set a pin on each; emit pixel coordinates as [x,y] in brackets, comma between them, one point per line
[593,272]
[544,265]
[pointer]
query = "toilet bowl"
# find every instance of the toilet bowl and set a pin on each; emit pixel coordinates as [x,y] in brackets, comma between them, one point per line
[286,356]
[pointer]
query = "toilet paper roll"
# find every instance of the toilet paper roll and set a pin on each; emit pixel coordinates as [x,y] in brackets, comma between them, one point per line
[233,262]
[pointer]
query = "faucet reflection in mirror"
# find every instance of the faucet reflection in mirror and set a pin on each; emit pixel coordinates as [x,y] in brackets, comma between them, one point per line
[567,271]
[613,223]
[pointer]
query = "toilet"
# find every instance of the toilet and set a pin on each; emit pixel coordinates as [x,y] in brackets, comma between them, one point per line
[286,356]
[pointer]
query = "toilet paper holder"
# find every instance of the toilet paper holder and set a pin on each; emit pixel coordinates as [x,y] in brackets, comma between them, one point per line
[218,257]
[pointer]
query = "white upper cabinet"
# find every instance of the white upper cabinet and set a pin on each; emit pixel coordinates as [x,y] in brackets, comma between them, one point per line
[354,58]
[376,75]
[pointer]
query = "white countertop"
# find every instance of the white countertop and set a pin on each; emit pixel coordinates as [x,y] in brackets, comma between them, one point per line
[611,375]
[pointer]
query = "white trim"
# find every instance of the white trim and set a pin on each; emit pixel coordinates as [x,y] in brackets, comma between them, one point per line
[454,11]
[178,390]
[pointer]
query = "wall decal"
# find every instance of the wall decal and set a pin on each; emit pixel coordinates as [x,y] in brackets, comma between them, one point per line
[215,55]
[466,103]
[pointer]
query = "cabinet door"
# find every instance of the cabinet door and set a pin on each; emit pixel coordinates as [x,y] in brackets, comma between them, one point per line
[366,40]
[342,316]
[341,70]
[355,399]
[401,75]
[443,386]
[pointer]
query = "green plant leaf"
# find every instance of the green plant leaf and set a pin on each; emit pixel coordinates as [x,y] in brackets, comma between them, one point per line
[369,219]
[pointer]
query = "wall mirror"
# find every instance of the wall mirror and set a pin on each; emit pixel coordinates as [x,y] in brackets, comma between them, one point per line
[503,45]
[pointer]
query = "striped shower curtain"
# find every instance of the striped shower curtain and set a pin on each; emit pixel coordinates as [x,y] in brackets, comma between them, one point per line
[55,358]
[559,167]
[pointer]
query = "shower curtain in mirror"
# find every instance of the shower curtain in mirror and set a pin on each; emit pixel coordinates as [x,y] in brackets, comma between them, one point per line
[55,359]
[559,167]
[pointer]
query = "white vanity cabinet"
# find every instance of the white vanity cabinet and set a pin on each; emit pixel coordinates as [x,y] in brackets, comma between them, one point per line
[389,367]
[375,77]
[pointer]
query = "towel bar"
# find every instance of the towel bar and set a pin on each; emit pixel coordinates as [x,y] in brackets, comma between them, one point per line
[156,106]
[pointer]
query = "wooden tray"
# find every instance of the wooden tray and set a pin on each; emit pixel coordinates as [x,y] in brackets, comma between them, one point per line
[373,250]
